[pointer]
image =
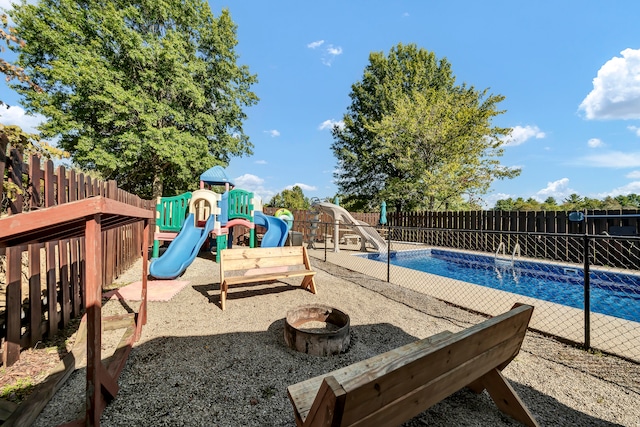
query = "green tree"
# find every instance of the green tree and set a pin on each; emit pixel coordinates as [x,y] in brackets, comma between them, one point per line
[550,204]
[505,205]
[629,201]
[610,203]
[15,136]
[413,137]
[147,92]
[293,199]
[573,202]
[10,70]
[592,203]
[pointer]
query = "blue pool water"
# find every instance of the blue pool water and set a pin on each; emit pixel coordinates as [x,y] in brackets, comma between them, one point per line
[614,294]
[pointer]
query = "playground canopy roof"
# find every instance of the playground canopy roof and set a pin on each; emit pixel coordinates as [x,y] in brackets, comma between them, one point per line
[216,176]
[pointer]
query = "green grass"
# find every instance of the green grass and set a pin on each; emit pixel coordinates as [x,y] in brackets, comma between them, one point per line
[18,391]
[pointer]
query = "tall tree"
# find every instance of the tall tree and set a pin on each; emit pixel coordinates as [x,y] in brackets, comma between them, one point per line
[293,199]
[146,92]
[10,70]
[414,138]
[573,202]
[15,136]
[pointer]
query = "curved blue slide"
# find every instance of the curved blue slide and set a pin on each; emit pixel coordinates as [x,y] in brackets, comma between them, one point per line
[277,230]
[182,250]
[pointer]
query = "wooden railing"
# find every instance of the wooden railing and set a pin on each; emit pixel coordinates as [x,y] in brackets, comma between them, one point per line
[51,276]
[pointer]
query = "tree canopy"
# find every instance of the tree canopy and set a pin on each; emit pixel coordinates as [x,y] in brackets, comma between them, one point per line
[15,136]
[571,203]
[147,92]
[414,138]
[292,199]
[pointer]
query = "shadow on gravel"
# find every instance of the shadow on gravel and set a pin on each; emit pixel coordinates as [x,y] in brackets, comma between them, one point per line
[240,379]
[211,291]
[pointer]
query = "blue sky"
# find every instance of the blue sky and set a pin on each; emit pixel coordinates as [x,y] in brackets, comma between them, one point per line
[570,72]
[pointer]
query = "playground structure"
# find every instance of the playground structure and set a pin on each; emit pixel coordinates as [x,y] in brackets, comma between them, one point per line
[340,215]
[210,218]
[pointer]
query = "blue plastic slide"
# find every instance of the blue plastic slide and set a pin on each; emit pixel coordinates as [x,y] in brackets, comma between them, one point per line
[182,250]
[277,229]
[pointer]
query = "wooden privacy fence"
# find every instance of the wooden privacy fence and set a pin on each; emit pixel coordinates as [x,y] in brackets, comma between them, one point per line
[545,234]
[614,222]
[44,284]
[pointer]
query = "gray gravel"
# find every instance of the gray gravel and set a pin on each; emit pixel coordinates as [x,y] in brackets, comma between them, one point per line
[196,365]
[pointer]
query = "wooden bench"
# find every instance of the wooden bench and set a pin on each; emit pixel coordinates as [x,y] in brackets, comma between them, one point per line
[264,264]
[395,386]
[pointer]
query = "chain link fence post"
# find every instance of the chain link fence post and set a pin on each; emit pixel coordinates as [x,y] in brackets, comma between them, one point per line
[587,294]
[389,254]
[326,230]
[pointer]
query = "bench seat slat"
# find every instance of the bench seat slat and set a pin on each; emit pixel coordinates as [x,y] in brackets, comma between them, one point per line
[234,280]
[261,262]
[249,253]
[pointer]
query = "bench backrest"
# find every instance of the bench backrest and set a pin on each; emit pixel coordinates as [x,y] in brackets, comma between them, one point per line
[415,377]
[250,258]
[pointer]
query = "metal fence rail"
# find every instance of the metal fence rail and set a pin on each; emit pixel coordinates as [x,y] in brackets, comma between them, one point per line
[586,288]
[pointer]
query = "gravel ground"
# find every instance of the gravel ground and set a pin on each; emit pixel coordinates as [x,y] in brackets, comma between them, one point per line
[196,365]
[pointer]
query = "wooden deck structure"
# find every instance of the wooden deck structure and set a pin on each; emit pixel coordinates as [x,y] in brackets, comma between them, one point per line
[85,218]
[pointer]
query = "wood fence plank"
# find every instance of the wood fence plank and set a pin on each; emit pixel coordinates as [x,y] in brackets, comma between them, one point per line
[15,176]
[11,351]
[35,294]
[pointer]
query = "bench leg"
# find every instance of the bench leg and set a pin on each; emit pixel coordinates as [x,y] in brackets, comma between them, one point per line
[223,294]
[309,283]
[328,406]
[506,398]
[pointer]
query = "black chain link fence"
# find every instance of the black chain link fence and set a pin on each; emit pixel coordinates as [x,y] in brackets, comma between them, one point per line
[586,288]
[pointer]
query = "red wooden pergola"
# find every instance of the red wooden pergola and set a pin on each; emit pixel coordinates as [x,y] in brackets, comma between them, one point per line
[88,218]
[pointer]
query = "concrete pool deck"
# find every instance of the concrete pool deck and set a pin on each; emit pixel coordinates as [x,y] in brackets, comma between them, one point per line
[608,334]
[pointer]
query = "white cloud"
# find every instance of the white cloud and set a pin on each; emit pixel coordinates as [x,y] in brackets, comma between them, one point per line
[595,143]
[329,124]
[260,162]
[330,54]
[633,175]
[248,181]
[331,50]
[519,135]
[632,187]
[16,115]
[557,189]
[489,201]
[315,44]
[616,89]
[613,159]
[304,187]
[255,184]
[634,129]
[272,132]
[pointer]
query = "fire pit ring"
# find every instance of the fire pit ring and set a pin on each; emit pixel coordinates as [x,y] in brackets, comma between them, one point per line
[303,333]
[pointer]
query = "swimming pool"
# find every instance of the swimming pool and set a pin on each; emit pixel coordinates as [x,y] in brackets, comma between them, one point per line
[614,294]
